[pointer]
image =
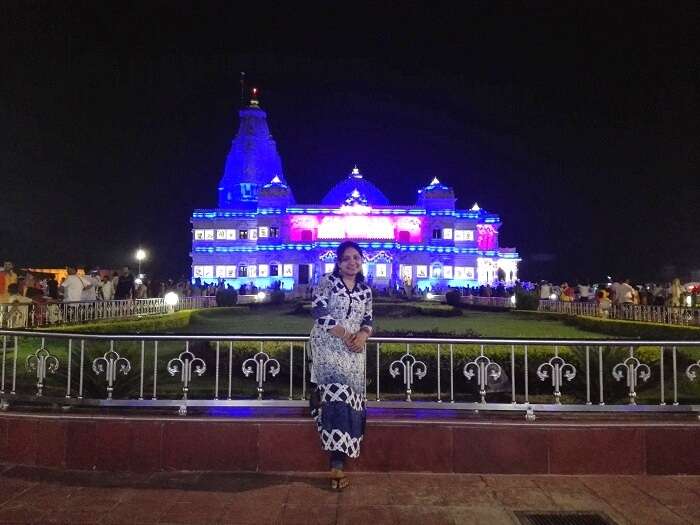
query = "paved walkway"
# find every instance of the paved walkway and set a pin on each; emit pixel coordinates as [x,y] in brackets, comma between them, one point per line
[34,495]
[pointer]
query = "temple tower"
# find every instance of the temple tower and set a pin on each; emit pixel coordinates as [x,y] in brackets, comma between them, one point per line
[252,162]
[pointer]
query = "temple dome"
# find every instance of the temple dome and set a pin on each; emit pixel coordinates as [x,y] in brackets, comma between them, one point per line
[355,189]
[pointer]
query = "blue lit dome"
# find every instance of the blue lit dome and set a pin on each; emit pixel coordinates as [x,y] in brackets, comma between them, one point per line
[355,189]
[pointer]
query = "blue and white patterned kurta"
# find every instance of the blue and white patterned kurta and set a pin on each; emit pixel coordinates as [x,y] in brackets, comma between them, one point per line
[338,372]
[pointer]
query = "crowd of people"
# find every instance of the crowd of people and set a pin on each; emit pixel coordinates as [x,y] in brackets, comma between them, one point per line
[672,294]
[96,285]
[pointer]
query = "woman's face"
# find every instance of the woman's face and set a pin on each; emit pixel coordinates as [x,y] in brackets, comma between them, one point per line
[350,263]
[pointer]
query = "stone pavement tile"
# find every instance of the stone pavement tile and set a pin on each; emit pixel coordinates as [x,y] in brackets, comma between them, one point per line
[12,488]
[509,481]
[22,511]
[560,483]
[237,481]
[443,491]
[691,512]
[275,495]
[611,488]
[690,482]
[526,498]
[194,512]
[420,515]
[73,516]
[294,514]
[94,498]
[482,515]
[368,489]
[665,489]
[376,515]
[133,514]
[253,513]
[647,514]
[312,494]
[51,495]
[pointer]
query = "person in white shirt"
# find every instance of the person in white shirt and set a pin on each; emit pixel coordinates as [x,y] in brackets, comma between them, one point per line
[584,292]
[90,293]
[545,290]
[73,286]
[625,293]
[107,288]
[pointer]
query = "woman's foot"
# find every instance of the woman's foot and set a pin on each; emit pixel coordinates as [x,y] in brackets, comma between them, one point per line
[338,479]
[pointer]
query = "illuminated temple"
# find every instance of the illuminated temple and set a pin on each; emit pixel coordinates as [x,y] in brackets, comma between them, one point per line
[259,233]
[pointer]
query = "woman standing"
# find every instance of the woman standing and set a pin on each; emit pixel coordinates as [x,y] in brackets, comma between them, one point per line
[342,308]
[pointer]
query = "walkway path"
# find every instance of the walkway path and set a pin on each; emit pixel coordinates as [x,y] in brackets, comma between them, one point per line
[34,495]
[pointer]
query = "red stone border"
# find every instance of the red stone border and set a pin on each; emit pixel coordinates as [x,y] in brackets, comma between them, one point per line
[150,444]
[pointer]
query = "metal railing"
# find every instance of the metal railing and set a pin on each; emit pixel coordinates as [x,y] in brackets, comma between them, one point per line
[182,371]
[629,312]
[38,314]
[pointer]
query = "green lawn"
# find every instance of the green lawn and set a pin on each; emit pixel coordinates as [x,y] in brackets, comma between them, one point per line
[280,320]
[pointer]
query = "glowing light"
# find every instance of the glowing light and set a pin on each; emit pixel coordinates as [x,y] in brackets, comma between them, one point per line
[430,296]
[475,207]
[275,180]
[513,300]
[356,172]
[140,254]
[486,237]
[260,296]
[553,297]
[171,299]
[434,182]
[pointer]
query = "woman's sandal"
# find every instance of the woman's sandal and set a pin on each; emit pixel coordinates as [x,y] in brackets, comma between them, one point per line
[338,479]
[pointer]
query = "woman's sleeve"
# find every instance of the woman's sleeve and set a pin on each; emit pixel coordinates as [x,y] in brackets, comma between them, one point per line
[319,305]
[367,320]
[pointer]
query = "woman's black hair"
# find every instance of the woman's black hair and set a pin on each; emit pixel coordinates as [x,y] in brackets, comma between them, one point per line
[360,278]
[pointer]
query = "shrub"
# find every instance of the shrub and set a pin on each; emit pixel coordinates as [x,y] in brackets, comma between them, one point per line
[276,297]
[151,323]
[526,300]
[453,297]
[228,297]
[634,329]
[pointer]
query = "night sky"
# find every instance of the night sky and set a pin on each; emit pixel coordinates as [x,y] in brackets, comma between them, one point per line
[577,124]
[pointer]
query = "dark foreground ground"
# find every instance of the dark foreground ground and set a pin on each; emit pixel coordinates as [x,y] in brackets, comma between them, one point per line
[33,495]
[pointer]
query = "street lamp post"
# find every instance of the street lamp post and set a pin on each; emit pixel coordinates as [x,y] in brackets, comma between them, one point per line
[140,256]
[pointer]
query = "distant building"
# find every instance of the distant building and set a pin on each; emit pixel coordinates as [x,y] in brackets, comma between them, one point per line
[259,234]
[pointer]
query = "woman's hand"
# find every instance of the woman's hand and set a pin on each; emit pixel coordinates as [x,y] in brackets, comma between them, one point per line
[357,341]
[342,333]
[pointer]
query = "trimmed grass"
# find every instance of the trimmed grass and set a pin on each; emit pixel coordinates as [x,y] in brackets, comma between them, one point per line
[280,320]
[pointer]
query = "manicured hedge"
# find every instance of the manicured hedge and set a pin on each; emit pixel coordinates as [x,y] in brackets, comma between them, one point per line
[151,323]
[400,309]
[619,328]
